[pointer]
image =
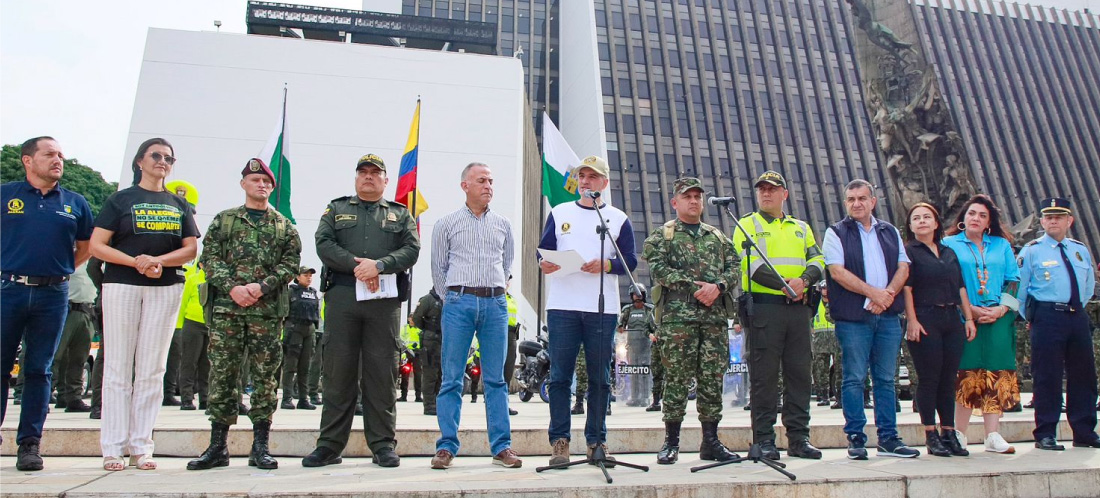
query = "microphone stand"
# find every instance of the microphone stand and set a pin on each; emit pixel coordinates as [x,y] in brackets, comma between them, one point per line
[599,458]
[755,455]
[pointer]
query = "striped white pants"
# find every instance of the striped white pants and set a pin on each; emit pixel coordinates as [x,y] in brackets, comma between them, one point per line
[138,322]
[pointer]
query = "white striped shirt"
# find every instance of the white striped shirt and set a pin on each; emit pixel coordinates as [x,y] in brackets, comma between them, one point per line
[470,251]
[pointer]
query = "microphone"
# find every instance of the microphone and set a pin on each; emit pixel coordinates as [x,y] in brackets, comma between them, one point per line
[719,201]
[592,194]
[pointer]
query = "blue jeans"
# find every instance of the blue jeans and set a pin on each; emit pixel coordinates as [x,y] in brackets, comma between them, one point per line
[873,342]
[463,316]
[36,315]
[568,330]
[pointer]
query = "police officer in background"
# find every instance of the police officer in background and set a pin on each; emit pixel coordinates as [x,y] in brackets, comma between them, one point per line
[513,338]
[427,316]
[304,317]
[76,342]
[362,238]
[410,338]
[779,328]
[694,265]
[1056,279]
[636,320]
[250,255]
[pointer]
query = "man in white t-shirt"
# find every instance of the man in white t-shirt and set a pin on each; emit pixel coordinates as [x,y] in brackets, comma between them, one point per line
[573,307]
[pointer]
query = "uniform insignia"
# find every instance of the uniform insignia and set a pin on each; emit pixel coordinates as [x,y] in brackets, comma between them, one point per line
[1050,264]
[253,165]
[1020,261]
[15,206]
[1079,258]
[346,217]
[391,217]
[565,227]
[799,234]
[327,211]
[69,209]
[1053,203]
[1046,275]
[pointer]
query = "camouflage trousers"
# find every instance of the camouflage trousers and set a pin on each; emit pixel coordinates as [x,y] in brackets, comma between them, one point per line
[697,351]
[657,369]
[230,335]
[826,356]
[582,376]
[1023,352]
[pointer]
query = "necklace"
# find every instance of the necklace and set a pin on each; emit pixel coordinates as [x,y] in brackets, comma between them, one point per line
[981,271]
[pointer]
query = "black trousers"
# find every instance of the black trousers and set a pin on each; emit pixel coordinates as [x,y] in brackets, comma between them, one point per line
[510,359]
[936,357]
[71,355]
[195,363]
[1061,344]
[417,376]
[360,350]
[172,371]
[431,361]
[297,354]
[780,337]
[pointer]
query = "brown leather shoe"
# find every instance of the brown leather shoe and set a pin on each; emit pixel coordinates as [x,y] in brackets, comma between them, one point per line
[607,454]
[442,460]
[560,452]
[508,458]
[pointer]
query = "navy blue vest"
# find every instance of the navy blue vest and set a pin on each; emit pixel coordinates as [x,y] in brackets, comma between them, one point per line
[845,304]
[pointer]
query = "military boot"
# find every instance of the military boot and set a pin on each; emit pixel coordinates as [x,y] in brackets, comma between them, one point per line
[712,448]
[578,407]
[259,456]
[670,452]
[217,454]
[656,406]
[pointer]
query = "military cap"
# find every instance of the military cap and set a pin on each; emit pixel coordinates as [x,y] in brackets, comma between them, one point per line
[686,183]
[305,269]
[1055,205]
[371,159]
[256,166]
[771,177]
[595,163]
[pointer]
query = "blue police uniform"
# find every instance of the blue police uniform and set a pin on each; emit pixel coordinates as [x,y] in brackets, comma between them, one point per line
[37,235]
[1056,278]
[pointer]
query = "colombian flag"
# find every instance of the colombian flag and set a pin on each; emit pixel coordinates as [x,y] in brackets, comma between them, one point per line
[407,193]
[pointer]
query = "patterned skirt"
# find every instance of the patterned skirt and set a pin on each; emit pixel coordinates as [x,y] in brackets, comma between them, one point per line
[991,391]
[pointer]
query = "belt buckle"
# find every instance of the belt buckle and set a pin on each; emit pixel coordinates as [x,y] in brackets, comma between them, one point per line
[23,279]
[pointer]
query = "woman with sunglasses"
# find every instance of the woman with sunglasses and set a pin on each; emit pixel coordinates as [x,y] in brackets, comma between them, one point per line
[987,371]
[145,234]
[938,324]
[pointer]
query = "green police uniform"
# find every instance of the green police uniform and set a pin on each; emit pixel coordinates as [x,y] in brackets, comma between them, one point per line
[361,341]
[638,324]
[410,337]
[427,316]
[249,251]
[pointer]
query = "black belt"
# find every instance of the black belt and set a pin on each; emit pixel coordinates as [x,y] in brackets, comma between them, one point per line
[32,280]
[759,298]
[949,306]
[343,279]
[87,308]
[478,291]
[1063,307]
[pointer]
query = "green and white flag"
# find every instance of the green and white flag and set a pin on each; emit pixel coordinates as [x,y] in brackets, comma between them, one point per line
[275,153]
[558,162]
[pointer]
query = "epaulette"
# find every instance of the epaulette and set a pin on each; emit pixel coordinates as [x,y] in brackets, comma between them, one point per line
[748,214]
[1075,240]
[1036,241]
[344,198]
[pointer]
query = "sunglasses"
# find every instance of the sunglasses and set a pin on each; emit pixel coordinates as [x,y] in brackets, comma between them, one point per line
[157,156]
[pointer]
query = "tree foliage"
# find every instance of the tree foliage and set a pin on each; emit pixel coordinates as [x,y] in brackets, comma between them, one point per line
[78,177]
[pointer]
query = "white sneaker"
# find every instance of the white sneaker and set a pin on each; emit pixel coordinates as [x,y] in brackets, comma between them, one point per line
[994,443]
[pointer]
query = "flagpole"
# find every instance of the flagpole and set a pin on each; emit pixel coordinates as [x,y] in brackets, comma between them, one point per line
[282,146]
[416,219]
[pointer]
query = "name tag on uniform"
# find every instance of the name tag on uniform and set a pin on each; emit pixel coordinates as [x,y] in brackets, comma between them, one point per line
[1050,264]
[346,217]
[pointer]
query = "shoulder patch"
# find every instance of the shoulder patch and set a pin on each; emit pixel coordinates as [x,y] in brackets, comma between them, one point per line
[1036,241]
[338,199]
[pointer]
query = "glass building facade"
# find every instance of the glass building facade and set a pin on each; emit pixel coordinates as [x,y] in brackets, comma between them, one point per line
[726,89]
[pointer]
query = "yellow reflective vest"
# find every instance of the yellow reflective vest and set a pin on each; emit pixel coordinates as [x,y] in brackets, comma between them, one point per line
[513,311]
[190,307]
[788,243]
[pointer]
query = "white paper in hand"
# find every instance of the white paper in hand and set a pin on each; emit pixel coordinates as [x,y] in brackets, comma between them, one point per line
[570,261]
[387,288]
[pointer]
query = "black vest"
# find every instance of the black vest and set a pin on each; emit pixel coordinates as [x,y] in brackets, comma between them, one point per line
[305,304]
[845,304]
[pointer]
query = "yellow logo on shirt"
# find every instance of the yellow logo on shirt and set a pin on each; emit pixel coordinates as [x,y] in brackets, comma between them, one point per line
[15,206]
[68,209]
[565,227]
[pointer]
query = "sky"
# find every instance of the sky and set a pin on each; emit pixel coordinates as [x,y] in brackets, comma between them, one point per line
[69,68]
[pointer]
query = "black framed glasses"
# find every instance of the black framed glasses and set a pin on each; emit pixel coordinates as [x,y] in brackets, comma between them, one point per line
[157,156]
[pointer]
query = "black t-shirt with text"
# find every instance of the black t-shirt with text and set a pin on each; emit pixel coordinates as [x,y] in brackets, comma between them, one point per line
[146,222]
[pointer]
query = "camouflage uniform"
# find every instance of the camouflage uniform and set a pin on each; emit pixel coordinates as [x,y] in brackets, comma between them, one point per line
[692,337]
[1023,352]
[1093,310]
[826,353]
[253,252]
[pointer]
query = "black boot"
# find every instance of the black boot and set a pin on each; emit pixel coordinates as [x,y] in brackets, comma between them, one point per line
[217,454]
[259,456]
[950,439]
[405,397]
[935,445]
[670,452]
[656,406]
[578,406]
[712,448]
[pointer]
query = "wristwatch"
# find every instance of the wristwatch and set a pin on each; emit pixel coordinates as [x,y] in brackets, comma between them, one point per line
[380,265]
